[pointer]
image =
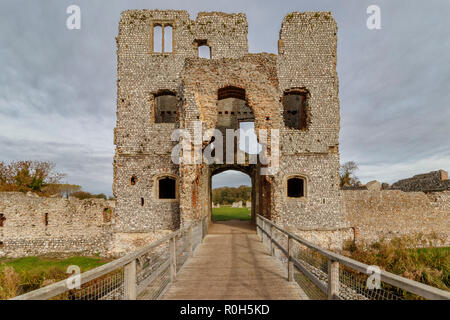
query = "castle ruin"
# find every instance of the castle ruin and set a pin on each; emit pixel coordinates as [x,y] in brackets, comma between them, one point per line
[164,85]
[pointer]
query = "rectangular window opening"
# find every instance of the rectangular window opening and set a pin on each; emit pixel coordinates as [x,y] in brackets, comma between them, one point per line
[295,188]
[167,188]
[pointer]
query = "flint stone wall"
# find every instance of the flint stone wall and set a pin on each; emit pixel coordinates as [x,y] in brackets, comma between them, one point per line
[34,225]
[392,213]
[432,181]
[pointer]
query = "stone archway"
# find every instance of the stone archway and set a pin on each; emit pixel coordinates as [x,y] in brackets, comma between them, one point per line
[251,171]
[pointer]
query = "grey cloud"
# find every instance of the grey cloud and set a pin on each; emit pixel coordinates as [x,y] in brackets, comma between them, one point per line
[231,178]
[58,87]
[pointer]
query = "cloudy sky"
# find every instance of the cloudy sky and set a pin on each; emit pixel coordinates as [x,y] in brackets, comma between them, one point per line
[58,86]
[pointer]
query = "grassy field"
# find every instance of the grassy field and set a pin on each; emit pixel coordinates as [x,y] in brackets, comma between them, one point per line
[27,264]
[18,276]
[430,266]
[228,213]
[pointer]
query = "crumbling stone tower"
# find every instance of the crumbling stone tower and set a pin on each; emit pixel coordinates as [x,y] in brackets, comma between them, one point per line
[163,85]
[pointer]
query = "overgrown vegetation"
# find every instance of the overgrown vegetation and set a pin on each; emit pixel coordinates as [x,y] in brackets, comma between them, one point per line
[228,195]
[18,276]
[430,265]
[39,177]
[27,176]
[228,213]
[87,195]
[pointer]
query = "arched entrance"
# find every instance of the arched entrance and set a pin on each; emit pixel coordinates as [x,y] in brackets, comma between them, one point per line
[249,170]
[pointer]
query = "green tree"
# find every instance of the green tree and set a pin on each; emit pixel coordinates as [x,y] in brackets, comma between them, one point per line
[228,195]
[87,195]
[66,190]
[28,175]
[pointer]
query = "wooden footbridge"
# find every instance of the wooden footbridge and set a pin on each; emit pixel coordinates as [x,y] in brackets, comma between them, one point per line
[234,261]
[232,264]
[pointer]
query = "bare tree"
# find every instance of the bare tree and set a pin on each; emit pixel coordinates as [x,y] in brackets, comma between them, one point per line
[347,173]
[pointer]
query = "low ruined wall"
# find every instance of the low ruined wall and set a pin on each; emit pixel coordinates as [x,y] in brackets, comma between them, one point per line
[432,181]
[33,225]
[328,239]
[375,214]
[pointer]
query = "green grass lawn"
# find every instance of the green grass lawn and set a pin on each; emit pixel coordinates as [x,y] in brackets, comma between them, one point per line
[42,264]
[18,276]
[228,213]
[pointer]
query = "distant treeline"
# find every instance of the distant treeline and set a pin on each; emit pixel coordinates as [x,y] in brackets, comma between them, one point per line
[41,178]
[228,195]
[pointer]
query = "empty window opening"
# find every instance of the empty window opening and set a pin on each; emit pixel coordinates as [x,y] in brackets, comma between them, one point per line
[133,180]
[46,219]
[167,188]
[2,219]
[168,38]
[296,187]
[204,52]
[232,108]
[295,109]
[248,140]
[107,215]
[1,244]
[142,202]
[157,38]
[165,107]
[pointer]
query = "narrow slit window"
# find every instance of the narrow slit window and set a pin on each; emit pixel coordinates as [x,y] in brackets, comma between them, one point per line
[296,187]
[167,188]
[2,219]
[107,215]
[46,219]
[168,38]
[157,38]
[142,202]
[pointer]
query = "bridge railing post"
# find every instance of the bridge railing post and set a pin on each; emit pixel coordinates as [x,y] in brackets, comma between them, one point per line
[202,227]
[190,240]
[264,233]
[271,237]
[258,226]
[130,282]
[333,280]
[290,260]
[173,259]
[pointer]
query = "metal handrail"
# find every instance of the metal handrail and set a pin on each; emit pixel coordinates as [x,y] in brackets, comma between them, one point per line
[335,259]
[128,262]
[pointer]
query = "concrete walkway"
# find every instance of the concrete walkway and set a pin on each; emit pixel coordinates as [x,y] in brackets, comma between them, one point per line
[232,263]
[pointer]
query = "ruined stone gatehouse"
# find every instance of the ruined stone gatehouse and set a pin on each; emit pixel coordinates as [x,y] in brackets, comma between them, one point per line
[164,85]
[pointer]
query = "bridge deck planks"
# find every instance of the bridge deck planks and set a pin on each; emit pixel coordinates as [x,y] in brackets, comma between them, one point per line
[232,263]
